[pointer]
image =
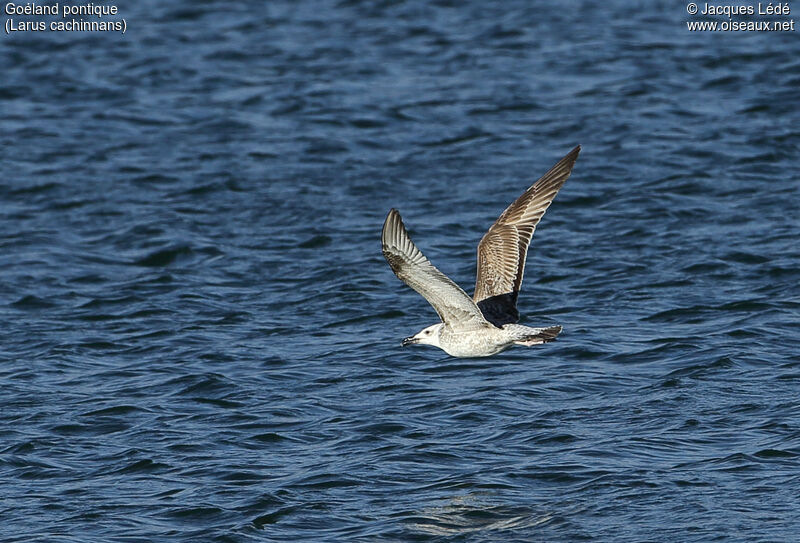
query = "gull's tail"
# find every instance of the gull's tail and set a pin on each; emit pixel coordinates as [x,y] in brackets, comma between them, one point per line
[539,336]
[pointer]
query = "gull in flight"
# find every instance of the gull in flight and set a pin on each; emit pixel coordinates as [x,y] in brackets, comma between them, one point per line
[486,323]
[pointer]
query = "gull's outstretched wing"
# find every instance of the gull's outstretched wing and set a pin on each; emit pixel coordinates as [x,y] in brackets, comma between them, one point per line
[453,305]
[503,249]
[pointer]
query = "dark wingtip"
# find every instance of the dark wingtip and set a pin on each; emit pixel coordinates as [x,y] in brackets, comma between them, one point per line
[391,234]
[568,160]
[572,156]
[390,217]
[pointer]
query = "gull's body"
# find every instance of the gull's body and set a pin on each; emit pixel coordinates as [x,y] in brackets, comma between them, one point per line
[486,323]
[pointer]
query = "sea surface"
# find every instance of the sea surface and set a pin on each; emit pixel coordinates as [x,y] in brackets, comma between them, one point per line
[200,338]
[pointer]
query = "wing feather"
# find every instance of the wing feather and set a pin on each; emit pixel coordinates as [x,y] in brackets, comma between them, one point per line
[453,305]
[503,249]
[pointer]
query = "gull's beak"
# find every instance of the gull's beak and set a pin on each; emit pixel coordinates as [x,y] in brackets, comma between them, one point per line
[410,341]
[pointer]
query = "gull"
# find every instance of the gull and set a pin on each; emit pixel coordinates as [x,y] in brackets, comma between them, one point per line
[485,324]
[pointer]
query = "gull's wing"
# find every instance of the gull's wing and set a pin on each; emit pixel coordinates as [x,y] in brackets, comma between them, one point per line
[502,250]
[453,305]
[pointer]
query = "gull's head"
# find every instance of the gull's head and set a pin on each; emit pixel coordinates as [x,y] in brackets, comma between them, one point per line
[428,336]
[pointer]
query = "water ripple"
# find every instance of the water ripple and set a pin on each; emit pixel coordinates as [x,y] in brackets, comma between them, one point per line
[201,339]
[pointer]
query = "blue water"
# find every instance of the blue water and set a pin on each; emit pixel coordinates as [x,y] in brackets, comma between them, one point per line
[200,338]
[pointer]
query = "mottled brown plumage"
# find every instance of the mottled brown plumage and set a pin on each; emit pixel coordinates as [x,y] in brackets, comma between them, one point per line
[486,323]
[452,304]
[503,249]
